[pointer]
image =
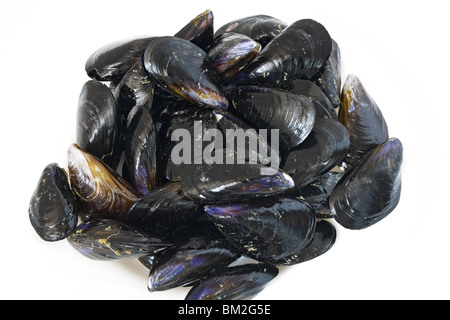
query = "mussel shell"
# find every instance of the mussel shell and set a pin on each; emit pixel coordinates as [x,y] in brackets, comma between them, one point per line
[261,28]
[201,250]
[142,149]
[300,51]
[107,239]
[363,119]
[324,107]
[98,126]
[164,210]
[329,78]
[325,147]
[323,240]
[266,229]
[103,192]
[242,282]
[53,209]
[199,31]
[135,89]
[231,52]
[317,193]
[370,190]
[112,61]
[228,181]
[293,115]
[183,69]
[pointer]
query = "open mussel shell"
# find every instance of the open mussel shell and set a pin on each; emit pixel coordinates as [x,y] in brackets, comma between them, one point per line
[329,78]
[112,61]
[135,89]
[266,229]
[300,51]
[231,52]
[293,115]
[242,282]
[103,192]
[98,127]
[53,209]
[261,28]
[142,148]
[324,107]
[183,69]
[227,181]
[199,31]
[323,240]
[164,210]
[200,251]
[363,119]
[370,190]
[107,239]
[325,147]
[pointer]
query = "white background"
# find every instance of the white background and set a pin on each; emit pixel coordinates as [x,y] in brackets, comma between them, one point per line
[399,50]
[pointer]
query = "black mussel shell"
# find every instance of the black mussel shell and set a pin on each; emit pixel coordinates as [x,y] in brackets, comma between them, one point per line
[293,115]
[261,28]
[300,51]
[98,127]
[317,193]
[135,89]
[53,209]
[183,128]
[183,69]
[266,229]
[231,52]
[370,190]
[200,251]
[164,210]
[323,240]
[363,119]
[200,30]
[324,108]
[107,239]
[228,180]
[242,282]
[112,61]
[142,149]
[103,192]
[325,147]
[329,78]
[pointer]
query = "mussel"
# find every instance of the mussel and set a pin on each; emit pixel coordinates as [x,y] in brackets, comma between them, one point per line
[261,28]
[266,230]
[107,239]
[183,69]
[370,190]
[325,147]
[242,282]
[231,52]
[200,251]
[98,126]
[293,115]
[103,192]
[112,61]
[329,78]
[199,31]
[142,148]
[53,209]
[300,51]
[322,241]
[164,210]
[363,119]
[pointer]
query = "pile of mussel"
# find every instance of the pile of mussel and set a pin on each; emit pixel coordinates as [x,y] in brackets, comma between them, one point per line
[127,195]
